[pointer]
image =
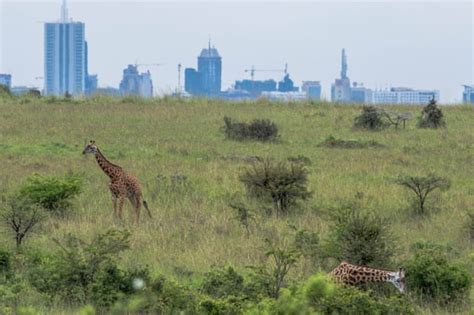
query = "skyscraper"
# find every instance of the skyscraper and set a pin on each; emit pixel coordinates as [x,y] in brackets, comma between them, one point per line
[468,94]
[134,83]
[207,80]
[210,67]
[341,88]
[6,80]
[64,56]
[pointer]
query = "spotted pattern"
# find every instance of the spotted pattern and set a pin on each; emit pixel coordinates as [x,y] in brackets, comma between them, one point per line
[121,186]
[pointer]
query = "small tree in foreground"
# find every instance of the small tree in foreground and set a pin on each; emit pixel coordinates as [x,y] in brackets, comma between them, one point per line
[21,216]
[360,237]
[280,183]
[431,116]
[422,187]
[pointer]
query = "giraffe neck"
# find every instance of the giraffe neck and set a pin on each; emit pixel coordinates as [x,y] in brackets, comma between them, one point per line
[366,274]
[109,169]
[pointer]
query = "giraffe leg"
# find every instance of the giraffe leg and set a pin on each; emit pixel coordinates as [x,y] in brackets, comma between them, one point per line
[114,203]
[137,206]
[120,207]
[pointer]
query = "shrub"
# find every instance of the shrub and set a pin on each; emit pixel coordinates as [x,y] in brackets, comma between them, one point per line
[85,272]
[220,283]
[21,216]
[307,243]
[258,129]
[279,183]
[422,187]
[52,193]
[431,116]
[470,224]
[244,216]
[320,296]
[432,276]
[5,91]
[370,118]
[360,237]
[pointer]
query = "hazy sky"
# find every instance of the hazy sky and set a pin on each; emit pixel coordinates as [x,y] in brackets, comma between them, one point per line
[423,44]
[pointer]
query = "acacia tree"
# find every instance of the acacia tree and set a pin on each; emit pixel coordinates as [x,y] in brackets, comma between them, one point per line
[422,186]
[22,216]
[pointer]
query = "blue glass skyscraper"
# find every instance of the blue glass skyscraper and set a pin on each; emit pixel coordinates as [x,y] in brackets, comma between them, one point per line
[64,56]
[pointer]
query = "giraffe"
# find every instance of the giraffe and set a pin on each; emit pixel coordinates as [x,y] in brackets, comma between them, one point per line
[122,185]
[347,273]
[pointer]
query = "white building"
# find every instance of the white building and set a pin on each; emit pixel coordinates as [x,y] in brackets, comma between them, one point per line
[285,96]
[404,96]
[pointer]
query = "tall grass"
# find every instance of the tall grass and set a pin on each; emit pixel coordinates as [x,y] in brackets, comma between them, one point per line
[193,227]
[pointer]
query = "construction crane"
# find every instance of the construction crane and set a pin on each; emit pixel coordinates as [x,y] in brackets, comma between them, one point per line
[252,70]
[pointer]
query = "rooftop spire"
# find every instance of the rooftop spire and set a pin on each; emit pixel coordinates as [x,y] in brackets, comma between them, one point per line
[343,64]
[64,16]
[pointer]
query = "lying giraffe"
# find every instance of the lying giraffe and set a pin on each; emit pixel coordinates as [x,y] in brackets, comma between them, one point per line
[122,185]
[353,274]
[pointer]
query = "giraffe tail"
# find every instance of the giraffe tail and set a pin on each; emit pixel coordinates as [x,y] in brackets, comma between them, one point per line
[145,204]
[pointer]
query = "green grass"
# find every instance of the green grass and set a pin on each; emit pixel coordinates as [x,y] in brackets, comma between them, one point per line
[193,227]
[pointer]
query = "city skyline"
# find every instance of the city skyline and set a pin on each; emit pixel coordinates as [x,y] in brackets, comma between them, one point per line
[433,70]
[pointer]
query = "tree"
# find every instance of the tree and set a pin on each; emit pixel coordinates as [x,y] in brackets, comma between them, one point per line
[422,187]
[280,183]
[431,116]
[22,216]
[370,118]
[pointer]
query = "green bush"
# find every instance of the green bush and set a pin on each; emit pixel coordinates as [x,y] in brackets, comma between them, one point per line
[431,116]
[83,272]
[370,118]
[320,296]
[52,193]
[279,183]
[5,261]
[220,283]
[360,237]
[432,276]
[258,129]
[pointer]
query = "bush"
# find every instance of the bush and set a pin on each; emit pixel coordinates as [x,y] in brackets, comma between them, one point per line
[432,276]
[431,116]
[279,183]
[258,129]
[52,193]
[360,237]
[320,296]
[86,272]
[220,283]
[5,261]
[422,187]
[370,118]
[5,91]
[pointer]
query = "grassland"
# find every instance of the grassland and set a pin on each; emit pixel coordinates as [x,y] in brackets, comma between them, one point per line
[193,227]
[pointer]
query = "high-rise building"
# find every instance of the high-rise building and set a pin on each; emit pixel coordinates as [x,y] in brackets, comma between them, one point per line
[341,88]
[402,95]
[312,89]
[207,80]
[468,94]
[134,83]
[6,79]
[65,65]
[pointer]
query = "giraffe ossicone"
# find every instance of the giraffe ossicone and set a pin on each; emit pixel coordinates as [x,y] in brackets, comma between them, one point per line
[122,185]
[350,274]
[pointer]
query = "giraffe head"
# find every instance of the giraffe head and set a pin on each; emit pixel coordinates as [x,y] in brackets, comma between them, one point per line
[90,148]
[398,280]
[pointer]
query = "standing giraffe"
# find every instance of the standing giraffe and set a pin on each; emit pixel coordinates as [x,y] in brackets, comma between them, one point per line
[353,274]
[122,185]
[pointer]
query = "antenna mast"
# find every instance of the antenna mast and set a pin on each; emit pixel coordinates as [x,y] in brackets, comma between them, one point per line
[64,14]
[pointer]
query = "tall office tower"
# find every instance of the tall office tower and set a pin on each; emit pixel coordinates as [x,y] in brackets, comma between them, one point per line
[210,69]
[134,83]
[64,56]
[341,88]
